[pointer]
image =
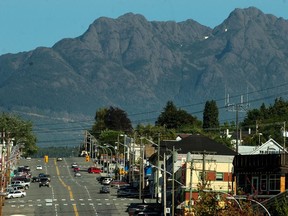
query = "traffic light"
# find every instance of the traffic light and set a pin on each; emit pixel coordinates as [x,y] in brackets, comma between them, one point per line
[87,158]
[46,158]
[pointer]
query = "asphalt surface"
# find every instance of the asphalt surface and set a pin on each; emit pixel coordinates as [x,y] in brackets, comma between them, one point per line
[67,195]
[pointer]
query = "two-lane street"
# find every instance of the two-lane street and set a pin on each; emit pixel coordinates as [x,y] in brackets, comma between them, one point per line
[67,195]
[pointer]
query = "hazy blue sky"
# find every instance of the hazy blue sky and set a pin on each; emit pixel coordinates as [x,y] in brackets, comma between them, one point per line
[27,24]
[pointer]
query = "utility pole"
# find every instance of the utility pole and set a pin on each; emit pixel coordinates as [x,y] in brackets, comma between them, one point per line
[158,168]
[173,178]
[284,144]
[239,107]
[189,159]
[164,186]
[2,171]
[141,171]
[203,170]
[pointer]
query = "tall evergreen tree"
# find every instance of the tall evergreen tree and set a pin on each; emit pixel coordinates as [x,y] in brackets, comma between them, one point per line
[173,118]
[210,115]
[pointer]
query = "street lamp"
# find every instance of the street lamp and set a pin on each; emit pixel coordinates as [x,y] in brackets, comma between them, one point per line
[107,146]
[260,134]
[158,164]
[252,200]
[125,146]
[106,152]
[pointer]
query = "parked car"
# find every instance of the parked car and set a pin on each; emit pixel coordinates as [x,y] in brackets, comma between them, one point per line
[59,159]
[27,168]
[77,174]
[24,178]
[131,193]
[106,181]
[26,185]
[44,181]
[16,187]
[15,194]
[74,164]
[94,170]
[76,169]
[118,183]
[100,178]
[39,167]
[105,189]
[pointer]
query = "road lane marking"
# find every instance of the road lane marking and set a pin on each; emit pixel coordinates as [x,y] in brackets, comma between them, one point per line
[75,210]
[66,186]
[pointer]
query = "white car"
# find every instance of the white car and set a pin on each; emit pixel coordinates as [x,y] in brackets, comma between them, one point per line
[106,181]
[15,194]
[77,174]
[39,167]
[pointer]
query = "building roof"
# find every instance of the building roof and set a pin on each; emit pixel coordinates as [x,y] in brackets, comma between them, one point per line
[269,147]
[197,143]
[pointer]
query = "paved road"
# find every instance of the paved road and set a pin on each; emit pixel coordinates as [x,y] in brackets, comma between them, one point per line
[68,195]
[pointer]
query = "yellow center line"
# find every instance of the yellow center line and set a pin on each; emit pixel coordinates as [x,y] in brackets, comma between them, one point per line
[68,188]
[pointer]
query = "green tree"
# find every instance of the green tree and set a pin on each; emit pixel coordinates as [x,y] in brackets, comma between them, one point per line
[268,120]
[211,115]
[218,204]
[173,118]
[111,118]
[151,131]
[116,119]
[15,129]
[99,124]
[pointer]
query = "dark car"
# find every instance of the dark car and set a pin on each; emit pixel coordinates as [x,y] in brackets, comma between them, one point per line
[43,175]
[21,178]
[35,179]
[44,181]
[105,189]
[74,164]
[131,193]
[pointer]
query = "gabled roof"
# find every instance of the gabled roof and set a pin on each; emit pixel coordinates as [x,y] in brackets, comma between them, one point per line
[271,146]
[197,143]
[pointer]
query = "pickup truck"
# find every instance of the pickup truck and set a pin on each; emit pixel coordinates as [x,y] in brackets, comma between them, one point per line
[26,185]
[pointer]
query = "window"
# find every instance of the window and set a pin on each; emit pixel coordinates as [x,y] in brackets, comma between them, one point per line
[263,183]
[274,182]
[219,176]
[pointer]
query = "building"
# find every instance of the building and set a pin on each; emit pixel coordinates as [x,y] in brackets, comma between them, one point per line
[261,171]
[210,163]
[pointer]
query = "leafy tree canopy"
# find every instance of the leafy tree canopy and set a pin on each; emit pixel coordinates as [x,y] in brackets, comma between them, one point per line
[15,129]
[268,121]
[111,118]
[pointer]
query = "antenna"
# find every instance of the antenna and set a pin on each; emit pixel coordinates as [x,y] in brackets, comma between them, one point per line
[237,107]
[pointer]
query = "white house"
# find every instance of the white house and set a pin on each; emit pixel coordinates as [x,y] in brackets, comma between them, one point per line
[269,147]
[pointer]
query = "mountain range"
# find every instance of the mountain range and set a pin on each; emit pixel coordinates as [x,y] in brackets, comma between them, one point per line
[139,65]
